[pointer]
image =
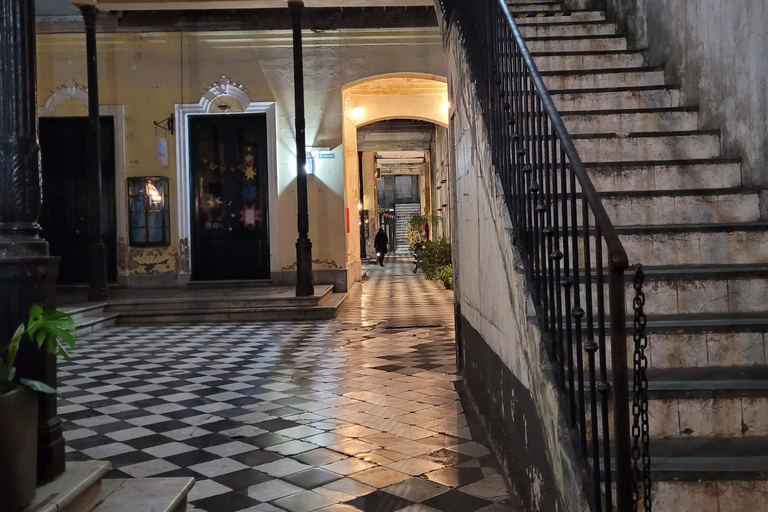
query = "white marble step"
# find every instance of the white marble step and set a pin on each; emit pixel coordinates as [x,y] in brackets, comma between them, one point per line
[534,6]
[682,208]
[648,146]
[722,244]
[598,43]
[572,16]
[588,60]
[145,495]
[632,121]
[616,99]
[77,490]
[671,175]
[687,410]
[534,28]
[603,78]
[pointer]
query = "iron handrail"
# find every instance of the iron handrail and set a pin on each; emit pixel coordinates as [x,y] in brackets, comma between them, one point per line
[545,184]
[616,249]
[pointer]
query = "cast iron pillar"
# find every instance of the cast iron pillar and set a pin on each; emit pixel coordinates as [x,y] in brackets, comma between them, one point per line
[27,272]
[304,286]
[361,205]
[98,289]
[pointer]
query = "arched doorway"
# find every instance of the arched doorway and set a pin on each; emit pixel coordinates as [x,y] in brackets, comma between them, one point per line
[401,96]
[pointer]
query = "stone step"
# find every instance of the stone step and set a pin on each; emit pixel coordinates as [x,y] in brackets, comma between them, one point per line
[699,475]
[708,475]
[217,300]
[690,403]
[79,312]
[623,98]
[648,146]
[566,28]
[559,61]
[557,17]
[682,207]
[598,43]
[703,340]
[603,78]
[631,121]
[708,340]
[78,489]
[534,6]
[665,175]
[708,402]
[145,495]
[96,322]
[695,290]
[696,244]
[325,310]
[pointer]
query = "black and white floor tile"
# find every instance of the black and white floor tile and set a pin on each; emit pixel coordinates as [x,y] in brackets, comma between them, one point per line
[336,416]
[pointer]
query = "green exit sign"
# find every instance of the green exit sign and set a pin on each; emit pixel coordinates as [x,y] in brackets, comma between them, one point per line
[324,156]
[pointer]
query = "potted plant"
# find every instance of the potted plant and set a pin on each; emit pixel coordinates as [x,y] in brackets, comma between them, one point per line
[52,331]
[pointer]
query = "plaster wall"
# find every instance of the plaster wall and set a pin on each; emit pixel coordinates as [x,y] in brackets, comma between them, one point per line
[506,370]
[149,73]
[717,51]
[441,185]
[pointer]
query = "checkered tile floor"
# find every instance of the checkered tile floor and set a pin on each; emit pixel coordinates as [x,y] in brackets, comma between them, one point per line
[335,416]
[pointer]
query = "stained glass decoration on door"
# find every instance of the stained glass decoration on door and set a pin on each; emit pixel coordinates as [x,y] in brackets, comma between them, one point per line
[230,234]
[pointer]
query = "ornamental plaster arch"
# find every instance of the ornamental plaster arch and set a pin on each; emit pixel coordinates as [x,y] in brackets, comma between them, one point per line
[69,90]
[211,97]
[72,90]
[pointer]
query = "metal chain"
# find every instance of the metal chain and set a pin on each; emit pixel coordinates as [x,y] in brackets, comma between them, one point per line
[641,457]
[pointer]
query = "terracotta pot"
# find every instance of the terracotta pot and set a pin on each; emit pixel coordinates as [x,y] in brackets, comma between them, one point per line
[18,449]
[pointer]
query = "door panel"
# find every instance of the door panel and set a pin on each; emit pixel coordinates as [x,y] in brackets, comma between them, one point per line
[228,165]
[64,213]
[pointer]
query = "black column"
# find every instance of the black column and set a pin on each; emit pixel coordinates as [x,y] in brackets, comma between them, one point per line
[27,273]
[304,286]
[98,289]
[361,216]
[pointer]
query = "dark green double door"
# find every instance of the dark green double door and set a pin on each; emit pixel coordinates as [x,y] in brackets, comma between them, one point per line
[66,207]
[228,166]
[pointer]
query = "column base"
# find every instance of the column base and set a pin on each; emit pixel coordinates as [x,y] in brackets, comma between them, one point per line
[304,285]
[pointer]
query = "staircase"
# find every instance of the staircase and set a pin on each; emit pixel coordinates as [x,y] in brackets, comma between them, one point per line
[83,488]
[401,242]
[681,209]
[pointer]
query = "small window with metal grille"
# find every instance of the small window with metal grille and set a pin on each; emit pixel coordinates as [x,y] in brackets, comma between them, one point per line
[149,216]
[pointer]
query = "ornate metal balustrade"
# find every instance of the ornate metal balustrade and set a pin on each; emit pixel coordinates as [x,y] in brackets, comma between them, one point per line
[574,260]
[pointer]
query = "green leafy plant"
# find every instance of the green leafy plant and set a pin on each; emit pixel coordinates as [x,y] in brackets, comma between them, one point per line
[445,275]
[435,255]
[416,229]
[49,329]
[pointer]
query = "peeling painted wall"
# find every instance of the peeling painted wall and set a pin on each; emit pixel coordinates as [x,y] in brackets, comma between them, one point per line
[717,51]
[507,371]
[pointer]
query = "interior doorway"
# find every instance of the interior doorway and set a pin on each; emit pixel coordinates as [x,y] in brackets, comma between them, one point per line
[64,214]
[229,197]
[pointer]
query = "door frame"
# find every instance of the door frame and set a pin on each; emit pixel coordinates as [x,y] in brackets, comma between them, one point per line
[72,90]
[225,87]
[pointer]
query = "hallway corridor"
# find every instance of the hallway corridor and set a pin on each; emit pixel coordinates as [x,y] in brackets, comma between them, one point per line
[357,414]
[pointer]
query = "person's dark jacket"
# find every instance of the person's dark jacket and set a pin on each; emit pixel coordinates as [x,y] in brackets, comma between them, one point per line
[380,242]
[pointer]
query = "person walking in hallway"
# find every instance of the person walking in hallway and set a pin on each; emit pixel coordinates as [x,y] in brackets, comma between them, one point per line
[380,244]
